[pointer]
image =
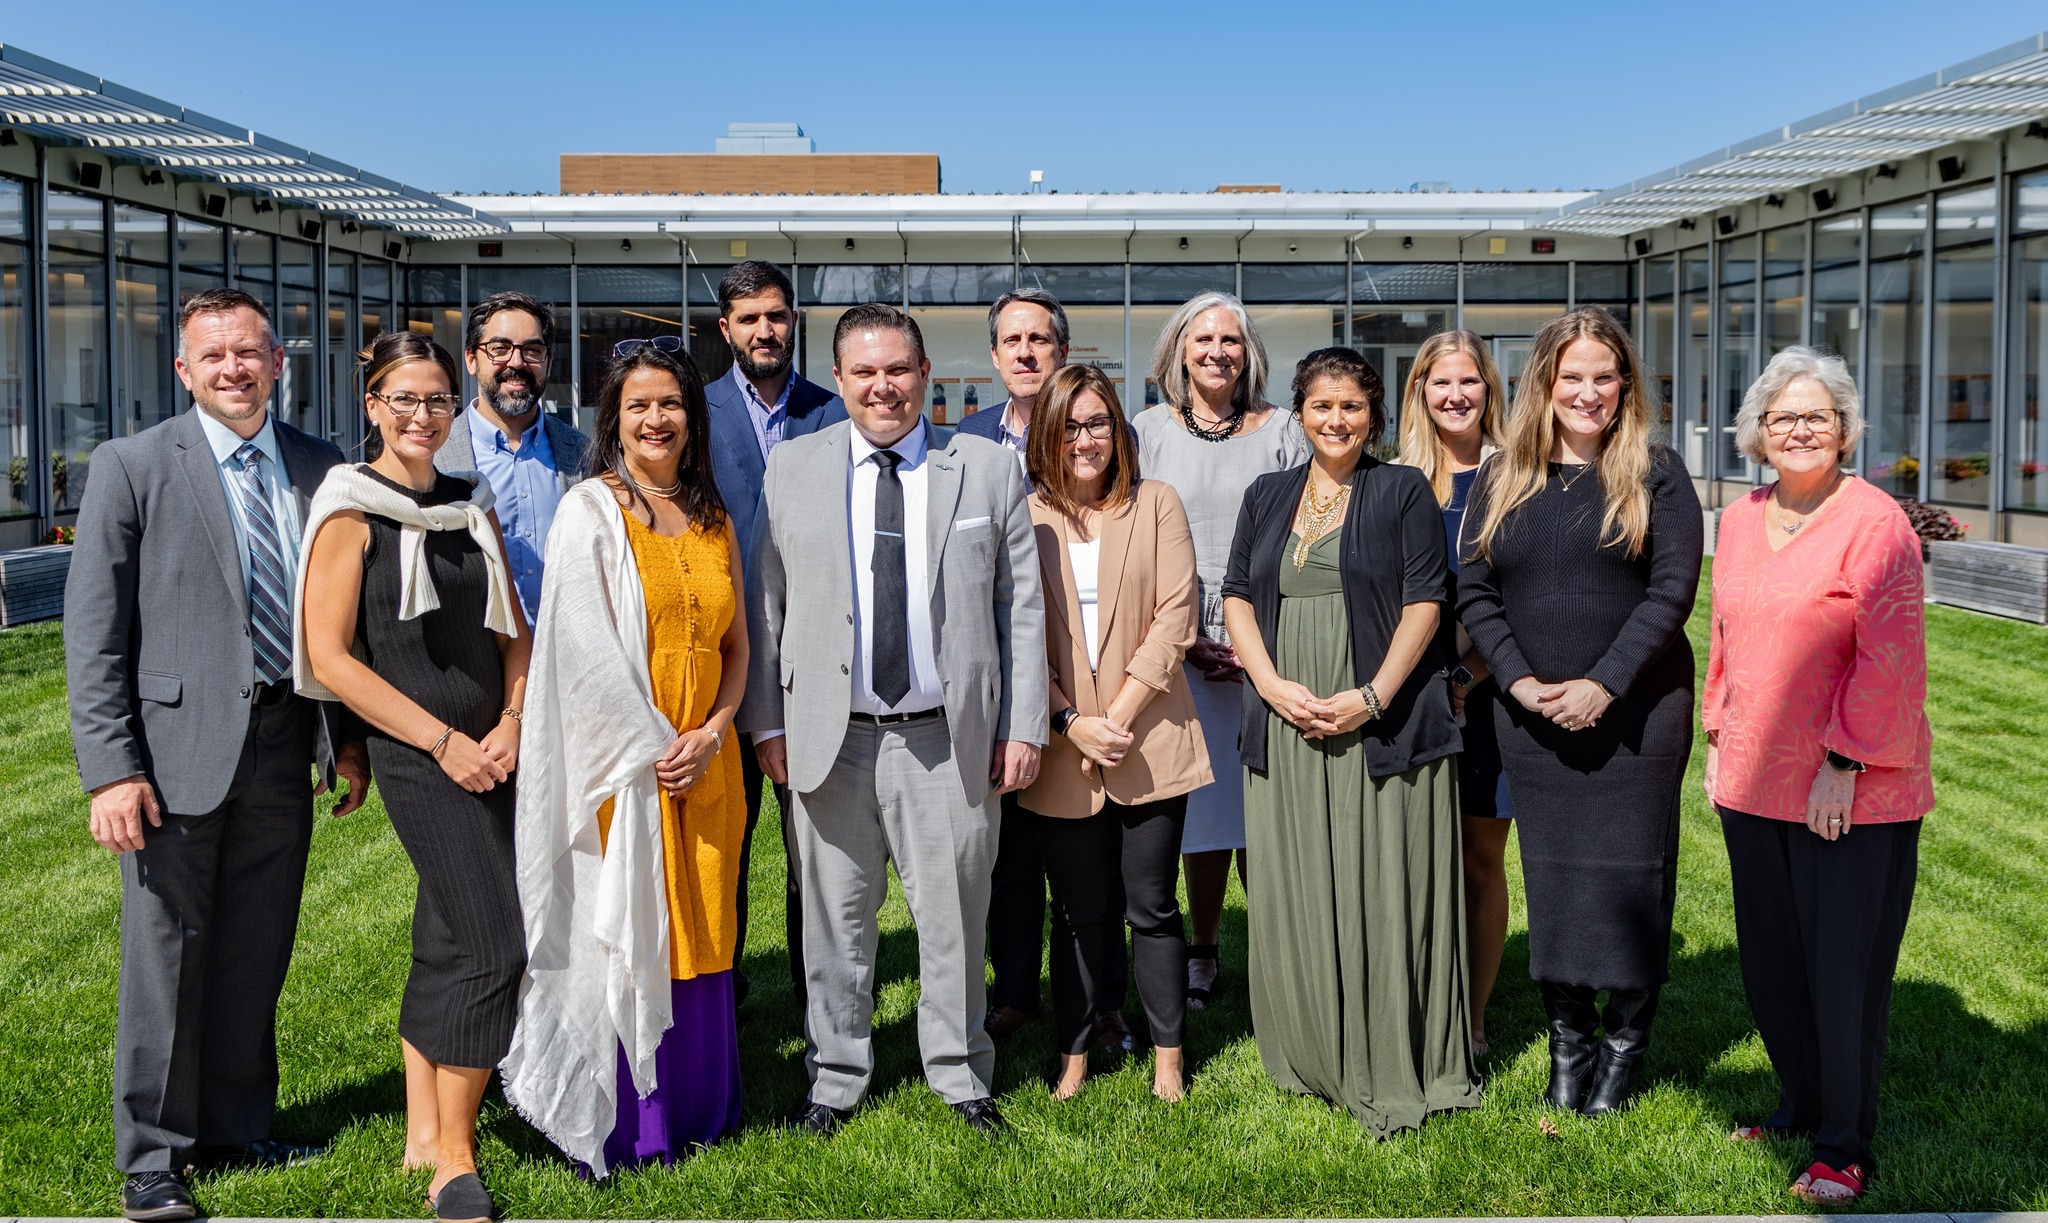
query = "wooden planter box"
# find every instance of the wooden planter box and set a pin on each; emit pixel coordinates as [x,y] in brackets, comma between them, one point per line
[32,583]
[2002,579]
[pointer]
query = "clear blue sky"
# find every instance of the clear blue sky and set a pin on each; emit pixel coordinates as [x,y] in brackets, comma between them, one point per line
[1101,96]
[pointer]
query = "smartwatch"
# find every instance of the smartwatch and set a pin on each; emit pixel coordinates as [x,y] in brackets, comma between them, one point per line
[1837,760]
[1063,719]
[1461,675]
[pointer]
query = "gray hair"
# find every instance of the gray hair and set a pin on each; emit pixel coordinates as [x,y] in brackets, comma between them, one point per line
[1169,367]
[1788,367]
[1032,297]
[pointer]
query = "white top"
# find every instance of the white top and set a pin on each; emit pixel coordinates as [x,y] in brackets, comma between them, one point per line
[1087,560]
[925,692]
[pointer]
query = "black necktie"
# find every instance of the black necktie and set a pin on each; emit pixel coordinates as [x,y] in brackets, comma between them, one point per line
[890,677]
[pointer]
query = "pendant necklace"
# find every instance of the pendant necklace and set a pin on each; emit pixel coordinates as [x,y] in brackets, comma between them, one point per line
[1792,527]
[1317,519]
[1565,482]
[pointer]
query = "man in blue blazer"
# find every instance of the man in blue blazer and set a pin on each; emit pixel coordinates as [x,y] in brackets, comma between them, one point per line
[760,402]
[1027,342]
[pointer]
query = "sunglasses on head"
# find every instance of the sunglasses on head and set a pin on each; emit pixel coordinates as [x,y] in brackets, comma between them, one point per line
[665,343]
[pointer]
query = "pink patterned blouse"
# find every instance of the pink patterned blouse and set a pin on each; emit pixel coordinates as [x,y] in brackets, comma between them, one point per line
[1820,646]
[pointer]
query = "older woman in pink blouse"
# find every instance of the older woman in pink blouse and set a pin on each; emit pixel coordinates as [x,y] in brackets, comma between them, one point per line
[1818,757]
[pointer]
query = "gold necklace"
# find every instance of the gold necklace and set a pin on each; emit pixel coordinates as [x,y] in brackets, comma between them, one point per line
[1778,500]
[1565,482]
[1317,518]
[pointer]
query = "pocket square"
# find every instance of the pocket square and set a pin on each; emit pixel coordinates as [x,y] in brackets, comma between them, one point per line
[968,524]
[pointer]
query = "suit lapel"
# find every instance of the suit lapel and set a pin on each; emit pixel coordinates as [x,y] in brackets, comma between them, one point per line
[833,476]
[941,497]
[1116,542]
[299,467]
[456,454]
[202,476]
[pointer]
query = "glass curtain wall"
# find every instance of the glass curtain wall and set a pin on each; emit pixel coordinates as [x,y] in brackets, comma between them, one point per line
[17,422]
[629,302]
[823,293]
[1695,321]
[950,303]
[1093,297]
[77,376]
[1657,338]
[549,284]
[2026,475]
[1394,308]
[1298,308]
[144,319]
[433,305]
[256,268]
[1964,222]
[346,418]
[707,342]
[1737,364]
[299,330]
[1898,295]
[1838,290]
[202,258]
[1157,290]
[1610,286]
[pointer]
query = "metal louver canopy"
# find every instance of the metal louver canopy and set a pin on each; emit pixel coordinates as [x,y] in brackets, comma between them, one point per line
[61,105]
[1971,101]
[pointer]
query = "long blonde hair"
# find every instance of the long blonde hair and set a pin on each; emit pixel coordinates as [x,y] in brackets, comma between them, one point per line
[1522,467]
[1421,446]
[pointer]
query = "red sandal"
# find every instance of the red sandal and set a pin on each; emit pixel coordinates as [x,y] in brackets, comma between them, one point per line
[1847,1183]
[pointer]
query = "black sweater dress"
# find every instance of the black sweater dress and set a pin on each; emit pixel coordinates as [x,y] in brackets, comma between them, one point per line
[1596,809]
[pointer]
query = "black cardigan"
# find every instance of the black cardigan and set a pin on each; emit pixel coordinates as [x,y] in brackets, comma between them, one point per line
[1392,554]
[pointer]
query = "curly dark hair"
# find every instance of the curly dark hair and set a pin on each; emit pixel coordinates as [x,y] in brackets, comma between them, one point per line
[607,454]
[1340,362]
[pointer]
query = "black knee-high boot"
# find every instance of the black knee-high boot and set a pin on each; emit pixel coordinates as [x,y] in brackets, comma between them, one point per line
[1573,1018]
[1627,1020]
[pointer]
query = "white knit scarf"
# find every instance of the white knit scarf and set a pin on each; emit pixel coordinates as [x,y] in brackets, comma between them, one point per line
[352,488]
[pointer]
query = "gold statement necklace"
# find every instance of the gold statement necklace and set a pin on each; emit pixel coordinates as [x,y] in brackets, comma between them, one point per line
[1317,518]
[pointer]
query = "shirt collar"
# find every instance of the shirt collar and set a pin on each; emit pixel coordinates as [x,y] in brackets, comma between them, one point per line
[911,446]
[533,441]
[754,397]
[225,441]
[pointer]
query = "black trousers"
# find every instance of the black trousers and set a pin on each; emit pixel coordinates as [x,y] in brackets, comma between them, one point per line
[209,908]
[751,778]
[1818,925]
[1016,912]
[1120,858]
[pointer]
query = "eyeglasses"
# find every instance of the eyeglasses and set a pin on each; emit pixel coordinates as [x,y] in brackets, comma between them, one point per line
[533,352]
[663,343]
[404,404]
[1778,424]
[1100,428]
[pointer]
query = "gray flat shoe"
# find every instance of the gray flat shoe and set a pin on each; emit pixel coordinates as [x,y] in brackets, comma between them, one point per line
[464,1200]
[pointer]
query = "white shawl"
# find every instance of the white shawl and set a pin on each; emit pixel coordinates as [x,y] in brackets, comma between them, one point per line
[349,488]
[597,972]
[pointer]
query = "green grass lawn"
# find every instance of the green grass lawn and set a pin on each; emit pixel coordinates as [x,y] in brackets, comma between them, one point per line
[1965,1120]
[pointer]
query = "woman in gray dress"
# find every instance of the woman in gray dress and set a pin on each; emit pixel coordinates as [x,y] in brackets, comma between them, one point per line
[1334,598]
[1211,435]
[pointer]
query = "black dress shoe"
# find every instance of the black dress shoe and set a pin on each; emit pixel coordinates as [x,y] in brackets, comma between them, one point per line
[263,1153]
[1573,1018]
[820,1119]
[981,1114]
[465,1200]
[156,1195]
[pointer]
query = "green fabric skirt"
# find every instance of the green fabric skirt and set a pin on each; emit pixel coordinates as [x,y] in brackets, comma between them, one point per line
[1356,911]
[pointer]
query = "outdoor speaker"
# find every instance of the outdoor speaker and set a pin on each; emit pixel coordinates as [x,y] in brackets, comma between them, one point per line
[216,205]
[1642,246]
[393,250]
[89,173]
[1823,199]
[310,230]
[1724,225]
[1950,168]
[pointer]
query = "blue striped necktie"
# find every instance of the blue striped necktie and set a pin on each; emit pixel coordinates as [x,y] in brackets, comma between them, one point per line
[270,599]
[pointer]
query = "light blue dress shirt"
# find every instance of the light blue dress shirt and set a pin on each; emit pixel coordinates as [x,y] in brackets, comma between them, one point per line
[284,503]
[527,486]
[769,422]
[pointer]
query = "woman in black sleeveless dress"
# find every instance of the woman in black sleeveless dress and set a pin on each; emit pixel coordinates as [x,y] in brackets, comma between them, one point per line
[410,622]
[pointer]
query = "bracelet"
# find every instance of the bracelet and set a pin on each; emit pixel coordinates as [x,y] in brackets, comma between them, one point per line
[1373,708]
[435,751]
[514,714]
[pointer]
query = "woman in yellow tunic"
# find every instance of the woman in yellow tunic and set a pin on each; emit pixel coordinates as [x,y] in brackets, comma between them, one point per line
[650,450]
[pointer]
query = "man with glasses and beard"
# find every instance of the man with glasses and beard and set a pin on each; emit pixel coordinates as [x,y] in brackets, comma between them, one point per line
[529,457]
[761,402]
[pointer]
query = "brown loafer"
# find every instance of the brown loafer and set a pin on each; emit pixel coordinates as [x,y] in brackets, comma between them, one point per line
[1003,1022]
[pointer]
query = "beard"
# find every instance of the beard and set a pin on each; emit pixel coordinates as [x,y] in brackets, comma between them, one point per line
[513,401]
[761,371]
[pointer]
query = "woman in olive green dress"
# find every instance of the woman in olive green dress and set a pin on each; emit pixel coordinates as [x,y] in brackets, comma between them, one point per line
[1333,600]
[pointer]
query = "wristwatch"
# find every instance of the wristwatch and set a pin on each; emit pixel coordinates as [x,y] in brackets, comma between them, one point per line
[1063,719]
[1461,675]
[1838,761]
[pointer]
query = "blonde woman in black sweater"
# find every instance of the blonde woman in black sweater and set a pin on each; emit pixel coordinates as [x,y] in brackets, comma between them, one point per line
[1579,562]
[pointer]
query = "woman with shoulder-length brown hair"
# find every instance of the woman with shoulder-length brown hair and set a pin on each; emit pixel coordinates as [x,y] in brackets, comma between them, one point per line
[1578,566]
[1452,417]
[1118,568]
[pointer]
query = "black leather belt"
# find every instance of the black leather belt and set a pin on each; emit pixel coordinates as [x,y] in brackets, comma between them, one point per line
[274,694]
[897,719]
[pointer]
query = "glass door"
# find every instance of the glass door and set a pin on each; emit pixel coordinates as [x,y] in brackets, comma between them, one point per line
[1511,355]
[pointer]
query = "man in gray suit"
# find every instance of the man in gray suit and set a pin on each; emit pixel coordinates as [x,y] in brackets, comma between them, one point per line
[196,750]
[899,641]
[529,457]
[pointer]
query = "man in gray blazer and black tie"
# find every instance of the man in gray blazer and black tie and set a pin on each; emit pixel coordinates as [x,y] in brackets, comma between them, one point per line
[898,639]
[196,750]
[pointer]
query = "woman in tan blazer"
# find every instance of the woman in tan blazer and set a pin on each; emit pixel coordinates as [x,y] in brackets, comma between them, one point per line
[1118,568]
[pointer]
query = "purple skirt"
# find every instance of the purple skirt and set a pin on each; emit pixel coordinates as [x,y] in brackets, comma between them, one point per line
[696,1096]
